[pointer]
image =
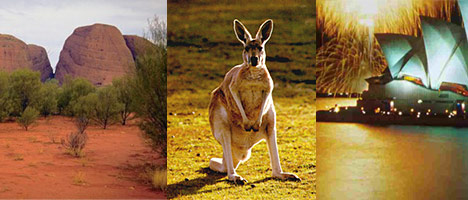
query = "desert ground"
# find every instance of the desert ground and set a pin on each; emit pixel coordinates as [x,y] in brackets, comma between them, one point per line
[202,48]
[35,165]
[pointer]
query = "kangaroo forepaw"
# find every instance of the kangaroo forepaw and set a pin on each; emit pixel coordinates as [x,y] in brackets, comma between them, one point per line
[256,126]
[247,127]
[287,176]
[237,179]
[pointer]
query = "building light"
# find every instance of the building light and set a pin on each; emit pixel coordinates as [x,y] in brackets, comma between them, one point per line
[363,112]
[412,110]
[420,101]
[377,110]
[362,108]
[392,104]
[400,113]
[446,111]
[336,110]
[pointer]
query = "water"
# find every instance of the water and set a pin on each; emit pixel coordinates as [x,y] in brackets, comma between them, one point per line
[358,161]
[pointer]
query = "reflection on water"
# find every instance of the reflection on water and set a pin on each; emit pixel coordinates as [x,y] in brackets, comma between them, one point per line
[358,161]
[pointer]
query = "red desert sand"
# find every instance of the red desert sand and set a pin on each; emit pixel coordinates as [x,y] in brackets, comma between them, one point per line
[34,166]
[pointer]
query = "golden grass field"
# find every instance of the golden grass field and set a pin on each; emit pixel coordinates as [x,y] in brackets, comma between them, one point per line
[202,48]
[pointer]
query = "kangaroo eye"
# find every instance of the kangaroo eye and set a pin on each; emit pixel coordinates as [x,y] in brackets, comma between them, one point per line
[260,48]
[247,48]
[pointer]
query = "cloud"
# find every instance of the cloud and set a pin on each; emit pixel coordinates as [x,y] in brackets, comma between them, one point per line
[49,23]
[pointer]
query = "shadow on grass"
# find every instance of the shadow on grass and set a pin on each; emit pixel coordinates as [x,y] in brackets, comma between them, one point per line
[188,187]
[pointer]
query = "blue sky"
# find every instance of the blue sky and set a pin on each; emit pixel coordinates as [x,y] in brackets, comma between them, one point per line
[48,23]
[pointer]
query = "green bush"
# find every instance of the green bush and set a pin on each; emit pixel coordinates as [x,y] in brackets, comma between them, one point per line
[28,117]
[84,107]
[6,105]
[149,92]
[150,85]
[48,97]
[72,90]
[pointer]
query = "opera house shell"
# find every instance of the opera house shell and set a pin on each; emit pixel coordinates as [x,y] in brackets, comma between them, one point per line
[427,75]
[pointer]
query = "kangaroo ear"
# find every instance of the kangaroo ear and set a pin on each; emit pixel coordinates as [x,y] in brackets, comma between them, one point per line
[265,30]
[242,33]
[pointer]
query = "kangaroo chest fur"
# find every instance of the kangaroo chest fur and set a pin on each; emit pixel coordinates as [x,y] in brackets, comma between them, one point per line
[254,85]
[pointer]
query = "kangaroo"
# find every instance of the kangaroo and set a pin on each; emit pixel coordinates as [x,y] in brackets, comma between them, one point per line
[241,110]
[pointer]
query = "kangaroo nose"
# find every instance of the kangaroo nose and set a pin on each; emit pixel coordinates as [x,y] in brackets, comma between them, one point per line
[253,61]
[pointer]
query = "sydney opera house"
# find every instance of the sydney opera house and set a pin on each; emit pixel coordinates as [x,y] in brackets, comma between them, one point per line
[426,75]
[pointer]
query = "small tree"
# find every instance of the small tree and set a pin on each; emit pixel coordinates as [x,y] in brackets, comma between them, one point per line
[107,107]
[24,89]
[83,108]
[28,117]
[124,96]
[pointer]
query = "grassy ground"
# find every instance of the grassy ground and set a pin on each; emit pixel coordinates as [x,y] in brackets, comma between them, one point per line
[202,48]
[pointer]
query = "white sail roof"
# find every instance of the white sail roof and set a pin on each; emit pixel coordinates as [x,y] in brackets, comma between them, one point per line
[441,55]
[405,55]
[441,40]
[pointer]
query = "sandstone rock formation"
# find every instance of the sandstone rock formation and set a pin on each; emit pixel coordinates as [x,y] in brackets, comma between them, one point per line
[97,52]
[40,61]
[15,54]
[138,45]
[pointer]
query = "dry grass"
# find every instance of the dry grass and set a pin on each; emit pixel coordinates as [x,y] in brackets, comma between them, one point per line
[191,145]
[159,179]
[79,179]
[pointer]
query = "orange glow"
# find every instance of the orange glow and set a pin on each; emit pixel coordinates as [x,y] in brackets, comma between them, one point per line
[337,17]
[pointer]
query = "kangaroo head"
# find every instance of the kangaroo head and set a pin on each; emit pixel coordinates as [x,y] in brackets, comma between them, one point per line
[254,51]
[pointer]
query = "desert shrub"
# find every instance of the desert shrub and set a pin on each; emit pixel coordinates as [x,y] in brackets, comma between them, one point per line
[150,87]
[76,141]
[28,117]
[48,97]
[124,96]
[72,90]
[24,89]
[5,101]
[107,108]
